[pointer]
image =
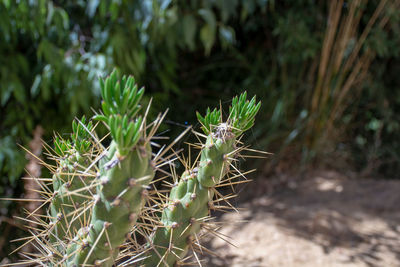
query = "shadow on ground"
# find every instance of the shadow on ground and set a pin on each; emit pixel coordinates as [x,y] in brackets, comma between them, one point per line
[325,219]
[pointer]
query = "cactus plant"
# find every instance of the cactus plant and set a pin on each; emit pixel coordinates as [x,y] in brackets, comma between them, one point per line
[189,200]
[97,194]
[123,174]
[72,157]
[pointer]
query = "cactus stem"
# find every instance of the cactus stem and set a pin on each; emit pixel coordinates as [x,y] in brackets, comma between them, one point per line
[99,193]
[94,245]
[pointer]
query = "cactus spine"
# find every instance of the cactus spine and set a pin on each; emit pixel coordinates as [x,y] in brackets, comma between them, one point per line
[123,175]
[188,201]
[73,157]
[98,194]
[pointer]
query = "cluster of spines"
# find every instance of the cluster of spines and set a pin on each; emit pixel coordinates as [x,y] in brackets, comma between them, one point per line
[99,193]
[123,176]
[67,194]
[73,156]
[189,201]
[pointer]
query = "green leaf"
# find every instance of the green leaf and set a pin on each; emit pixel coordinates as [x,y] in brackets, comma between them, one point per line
[207,36]
[189,30]
[207,32]
[130,131]
[35,86]
[226,35]
[208,16]
[5,94]
[92,7]
[242,113]
[18,91]
[209,121]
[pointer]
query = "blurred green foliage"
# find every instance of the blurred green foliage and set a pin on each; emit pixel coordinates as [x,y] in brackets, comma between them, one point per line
[189,54]
[54,51]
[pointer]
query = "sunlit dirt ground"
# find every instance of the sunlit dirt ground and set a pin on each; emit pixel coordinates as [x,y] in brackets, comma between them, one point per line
[324,219]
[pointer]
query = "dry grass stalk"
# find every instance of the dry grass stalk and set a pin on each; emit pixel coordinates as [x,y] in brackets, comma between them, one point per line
[33,169]
[341,71]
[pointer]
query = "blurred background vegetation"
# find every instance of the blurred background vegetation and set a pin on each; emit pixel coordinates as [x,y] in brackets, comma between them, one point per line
[327,73]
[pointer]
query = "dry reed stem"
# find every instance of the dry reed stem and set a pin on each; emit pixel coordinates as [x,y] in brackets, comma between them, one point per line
[341,42]
[364,35]
[33,169]
[334,15]
[334,65]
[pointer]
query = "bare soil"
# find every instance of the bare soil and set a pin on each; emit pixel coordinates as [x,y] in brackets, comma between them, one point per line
[324,219]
